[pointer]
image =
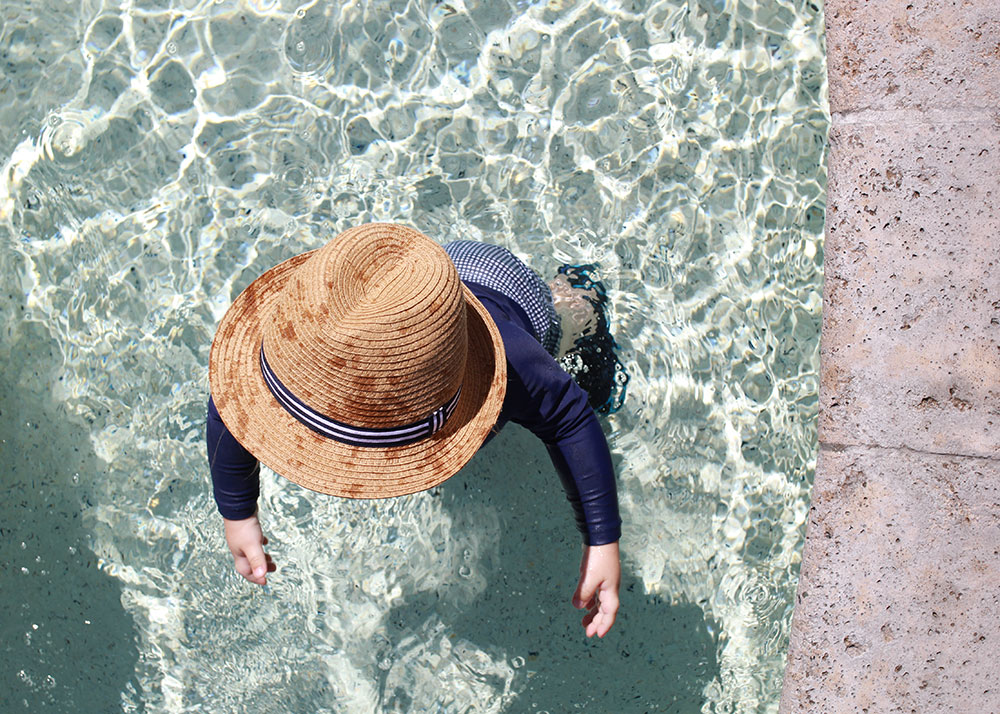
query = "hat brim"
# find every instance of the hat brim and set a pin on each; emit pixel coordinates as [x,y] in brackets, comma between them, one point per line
[281,442]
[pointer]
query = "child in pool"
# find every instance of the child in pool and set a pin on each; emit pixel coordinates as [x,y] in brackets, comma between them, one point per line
[377,365]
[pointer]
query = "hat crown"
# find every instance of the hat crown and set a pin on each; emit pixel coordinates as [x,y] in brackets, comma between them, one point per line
[371,329]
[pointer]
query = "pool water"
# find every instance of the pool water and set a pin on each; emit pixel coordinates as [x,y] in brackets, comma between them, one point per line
[157,155]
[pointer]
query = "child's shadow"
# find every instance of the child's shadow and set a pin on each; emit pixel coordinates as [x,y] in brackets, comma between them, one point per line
[657,657]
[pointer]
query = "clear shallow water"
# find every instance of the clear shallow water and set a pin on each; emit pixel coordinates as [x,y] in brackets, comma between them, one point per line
[156,158]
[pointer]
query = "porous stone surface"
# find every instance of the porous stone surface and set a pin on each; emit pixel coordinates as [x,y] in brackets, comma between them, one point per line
[913,54]
[912,287]
[897,608]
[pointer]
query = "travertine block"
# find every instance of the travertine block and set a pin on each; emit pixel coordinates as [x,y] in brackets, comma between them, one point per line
[921,54]
[898,601]
[911,324]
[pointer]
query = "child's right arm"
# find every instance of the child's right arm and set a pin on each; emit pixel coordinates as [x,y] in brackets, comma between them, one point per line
[236,486]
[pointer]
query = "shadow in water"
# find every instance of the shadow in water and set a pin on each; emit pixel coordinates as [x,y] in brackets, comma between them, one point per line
[657,658]
[66,643]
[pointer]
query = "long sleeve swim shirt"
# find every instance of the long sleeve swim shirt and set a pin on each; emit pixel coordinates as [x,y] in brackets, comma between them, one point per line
[541,397]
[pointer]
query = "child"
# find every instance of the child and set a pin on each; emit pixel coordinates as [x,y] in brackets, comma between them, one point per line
[379,364]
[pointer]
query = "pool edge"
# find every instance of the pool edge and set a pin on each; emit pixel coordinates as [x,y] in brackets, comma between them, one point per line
[896,608]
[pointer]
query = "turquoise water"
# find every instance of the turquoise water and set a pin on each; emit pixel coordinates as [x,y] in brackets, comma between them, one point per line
[157,155]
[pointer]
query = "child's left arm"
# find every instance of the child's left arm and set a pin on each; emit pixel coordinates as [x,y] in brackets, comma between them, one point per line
[543,398]
[597,592]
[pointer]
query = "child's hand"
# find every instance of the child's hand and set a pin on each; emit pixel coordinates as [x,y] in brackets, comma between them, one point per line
[600,575]
[246,542]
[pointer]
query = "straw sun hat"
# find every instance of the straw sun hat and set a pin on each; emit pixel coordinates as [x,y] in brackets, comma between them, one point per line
[362,369]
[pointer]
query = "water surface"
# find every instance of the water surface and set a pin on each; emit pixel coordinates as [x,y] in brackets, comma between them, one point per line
[157,155]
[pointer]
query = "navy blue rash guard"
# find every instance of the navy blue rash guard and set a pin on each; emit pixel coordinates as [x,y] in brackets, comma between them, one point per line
[541,397]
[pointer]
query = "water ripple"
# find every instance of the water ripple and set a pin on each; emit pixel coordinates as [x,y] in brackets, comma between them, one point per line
[308,42]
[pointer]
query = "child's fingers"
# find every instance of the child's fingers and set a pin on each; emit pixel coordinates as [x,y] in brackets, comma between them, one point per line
[602,611]
[606,615]
[586,589]
[254,568]
[595,624]
[597,590]
[242,565]
[258,562]
[598,622]
[244,568]
[246,543]
[609,601]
